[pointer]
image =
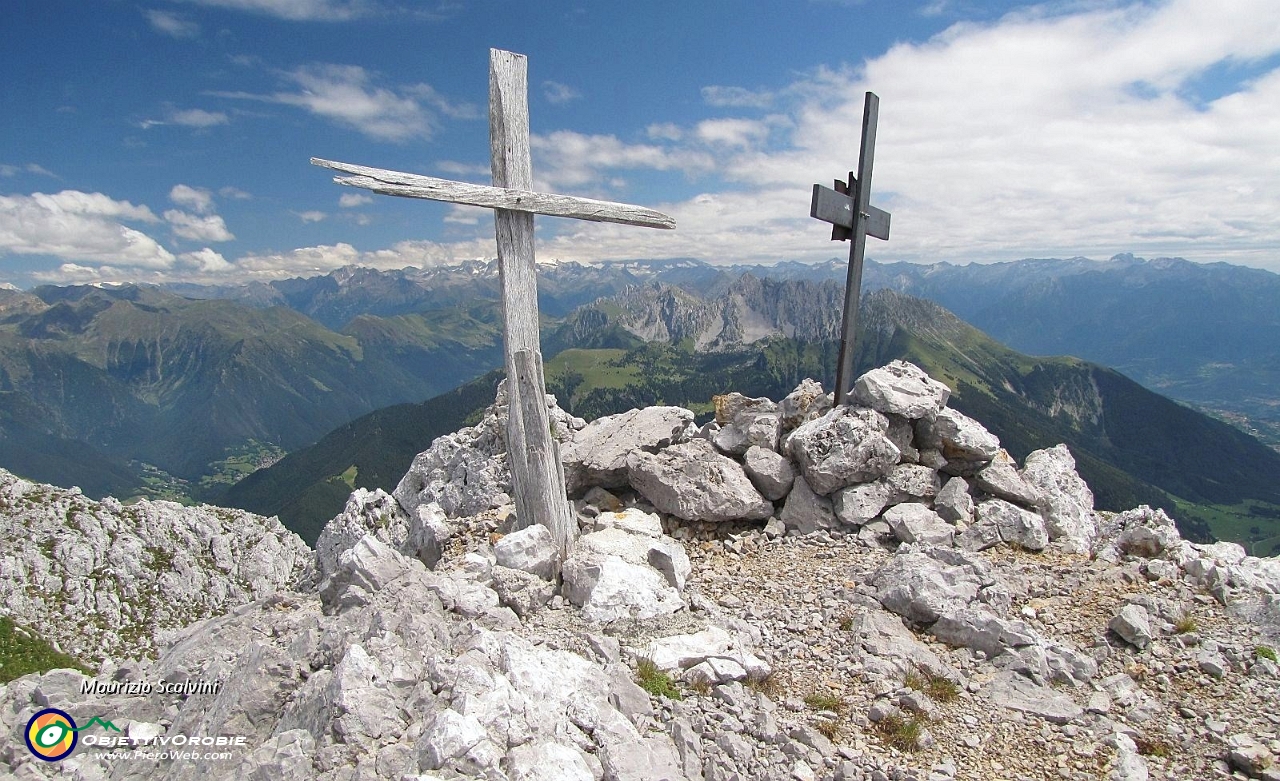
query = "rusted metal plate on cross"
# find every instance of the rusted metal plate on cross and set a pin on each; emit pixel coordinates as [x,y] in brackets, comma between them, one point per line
[848,208]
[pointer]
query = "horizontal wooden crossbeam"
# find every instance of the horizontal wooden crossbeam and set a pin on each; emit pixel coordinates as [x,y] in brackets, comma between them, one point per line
[433,189]
[837,209]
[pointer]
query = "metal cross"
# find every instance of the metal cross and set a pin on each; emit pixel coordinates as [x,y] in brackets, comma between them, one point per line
[848,208]
[536,474]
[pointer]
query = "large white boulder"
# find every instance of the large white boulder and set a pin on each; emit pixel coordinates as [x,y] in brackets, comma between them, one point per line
[611,574]
[1066,501]
[597,455]
[531,549]
[845,446]
[901,388]
[694,482]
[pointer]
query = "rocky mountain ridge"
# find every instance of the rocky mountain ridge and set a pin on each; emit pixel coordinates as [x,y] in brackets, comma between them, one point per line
[121,579]
[1199,332]
[793,591]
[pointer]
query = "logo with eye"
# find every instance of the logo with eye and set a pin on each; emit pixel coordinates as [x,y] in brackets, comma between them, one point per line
[51,734]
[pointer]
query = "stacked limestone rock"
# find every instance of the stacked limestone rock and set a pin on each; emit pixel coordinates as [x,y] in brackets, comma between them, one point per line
[808,576]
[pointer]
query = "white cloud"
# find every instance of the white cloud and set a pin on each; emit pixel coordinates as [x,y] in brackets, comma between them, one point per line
[451,109]
[29,168]
[309,217]
[204,261]
[347,95]
[736,97]
[569,159]
[1015,138]
[198,118]
[664,131]
[460,214]
[558,93]
[204,224]
[195,118]
[455,168]
[300,10]
[196,199]
[208,227]
[79,226]
[234,193]
[743,133]
[171,24]
[352,200]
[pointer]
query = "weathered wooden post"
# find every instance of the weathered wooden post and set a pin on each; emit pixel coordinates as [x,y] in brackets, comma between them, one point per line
[536,473]
[848,208]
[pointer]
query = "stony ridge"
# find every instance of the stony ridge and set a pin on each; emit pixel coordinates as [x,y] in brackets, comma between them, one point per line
[120,578]
[867,592]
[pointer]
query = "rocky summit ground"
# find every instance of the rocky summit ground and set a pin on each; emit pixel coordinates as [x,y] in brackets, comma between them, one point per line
[794,591]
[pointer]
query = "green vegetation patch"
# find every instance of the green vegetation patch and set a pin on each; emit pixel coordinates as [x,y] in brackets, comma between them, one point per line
[23,652]
[902,733]
[655,681]
[1253,523]
[824,701]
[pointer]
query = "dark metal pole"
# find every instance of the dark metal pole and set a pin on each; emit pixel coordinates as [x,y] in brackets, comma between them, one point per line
[853,284]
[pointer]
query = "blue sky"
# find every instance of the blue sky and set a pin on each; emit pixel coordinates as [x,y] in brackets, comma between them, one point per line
[166,140]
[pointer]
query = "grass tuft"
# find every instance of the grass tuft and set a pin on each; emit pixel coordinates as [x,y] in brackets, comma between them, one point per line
[1184,624]
[700,686]
[655,681]
[899,732]
[830,730]
[1265,652]
[846,623]
[941,689]
[768,685]
[914,680]
[824,701]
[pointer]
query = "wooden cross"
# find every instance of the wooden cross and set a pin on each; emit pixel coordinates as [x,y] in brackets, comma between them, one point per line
[848,208]
[536,474]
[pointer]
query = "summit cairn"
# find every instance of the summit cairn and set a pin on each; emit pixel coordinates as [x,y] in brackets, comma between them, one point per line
[913,613]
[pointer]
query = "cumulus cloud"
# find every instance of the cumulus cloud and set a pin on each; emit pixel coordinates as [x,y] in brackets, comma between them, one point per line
[171,24]
[196,227]
[204,261]
[79,226]
[732,132]
[352,200]
[196,199]
[200,223]
[568,159]
[325,258]
[1057,130]
[558,93]
[348,96]
[309,217]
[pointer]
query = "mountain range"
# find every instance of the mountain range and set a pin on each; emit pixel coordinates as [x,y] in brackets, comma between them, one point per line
[182,391]
[642,347]
[1204,333]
